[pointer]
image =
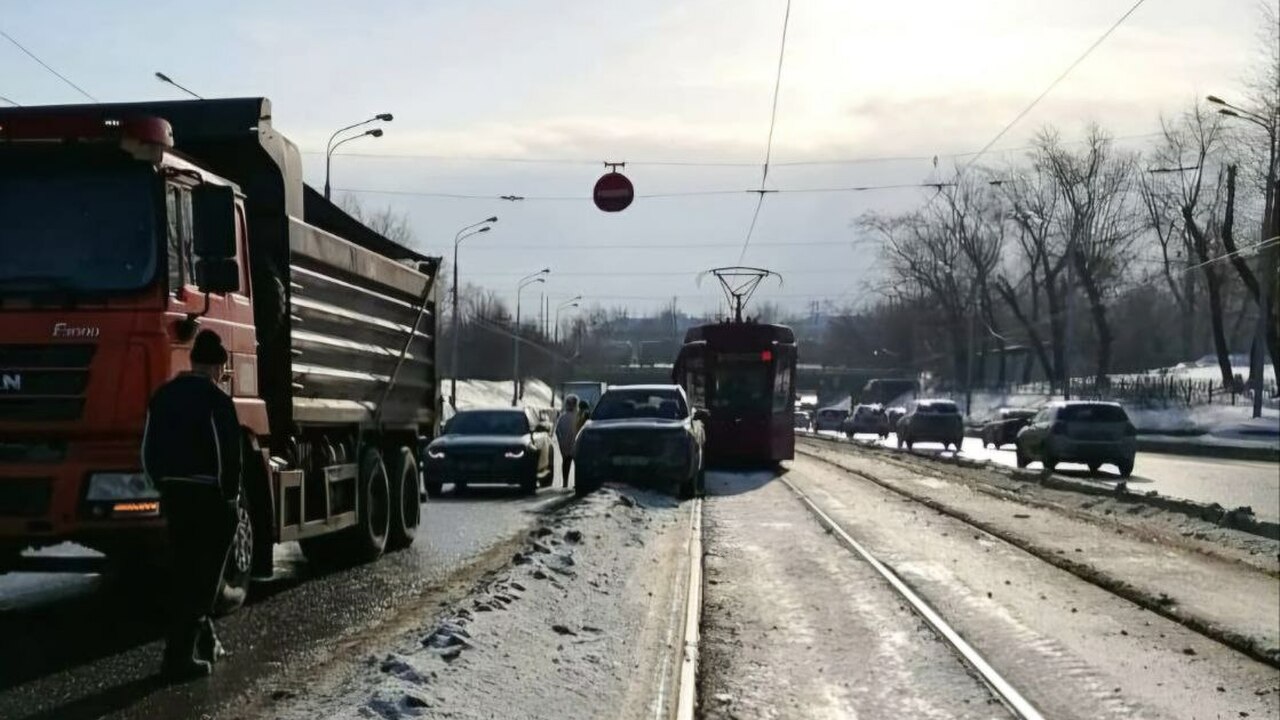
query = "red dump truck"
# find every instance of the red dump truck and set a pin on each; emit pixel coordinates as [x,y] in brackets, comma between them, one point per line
[127,228]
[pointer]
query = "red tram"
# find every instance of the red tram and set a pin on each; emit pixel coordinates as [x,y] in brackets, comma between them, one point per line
[743,373]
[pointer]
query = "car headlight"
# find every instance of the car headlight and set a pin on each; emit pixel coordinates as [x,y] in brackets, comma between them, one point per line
[514,454]
[110,486]
[435,454]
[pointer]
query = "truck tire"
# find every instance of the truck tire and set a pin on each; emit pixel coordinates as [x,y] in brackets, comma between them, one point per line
[406,501]
[1125,467]
[238,567]
[369,539]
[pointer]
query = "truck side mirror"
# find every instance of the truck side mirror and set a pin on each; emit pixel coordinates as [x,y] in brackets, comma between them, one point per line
[214,222]
[217,275]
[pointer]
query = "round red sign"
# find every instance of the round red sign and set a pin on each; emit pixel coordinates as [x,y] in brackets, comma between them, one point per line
[613,192]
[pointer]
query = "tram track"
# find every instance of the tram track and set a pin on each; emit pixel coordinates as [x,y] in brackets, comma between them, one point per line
[1083,571]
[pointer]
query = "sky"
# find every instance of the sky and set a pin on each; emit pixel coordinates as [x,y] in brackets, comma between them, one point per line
[531,98]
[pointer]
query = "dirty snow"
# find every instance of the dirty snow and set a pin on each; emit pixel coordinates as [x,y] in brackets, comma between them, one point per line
[577,625]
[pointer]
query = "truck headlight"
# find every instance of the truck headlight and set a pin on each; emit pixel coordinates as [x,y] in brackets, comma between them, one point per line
[109,486]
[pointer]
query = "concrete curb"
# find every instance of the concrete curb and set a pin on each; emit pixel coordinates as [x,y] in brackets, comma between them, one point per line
[1241,519]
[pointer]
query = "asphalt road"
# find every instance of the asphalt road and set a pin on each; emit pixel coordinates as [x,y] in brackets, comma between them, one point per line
[82,647]
[1230,483]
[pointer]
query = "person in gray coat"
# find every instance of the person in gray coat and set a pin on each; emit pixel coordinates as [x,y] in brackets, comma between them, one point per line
[567,426]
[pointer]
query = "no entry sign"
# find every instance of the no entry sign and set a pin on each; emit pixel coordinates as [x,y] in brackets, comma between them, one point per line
[613,192]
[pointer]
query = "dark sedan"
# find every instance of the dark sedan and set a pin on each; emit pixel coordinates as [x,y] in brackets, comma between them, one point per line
[491,446]
[1003,429]
[644,434]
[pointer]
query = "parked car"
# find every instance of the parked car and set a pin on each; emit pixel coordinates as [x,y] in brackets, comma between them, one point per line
[895,414]
[869,419]
[931,421]
[829,419]
[803,420]
[645,434]
[1003,428]
[491,446]
[1087,432]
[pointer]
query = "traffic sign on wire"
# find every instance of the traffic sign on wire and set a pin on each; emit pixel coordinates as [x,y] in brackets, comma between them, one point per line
[614,191]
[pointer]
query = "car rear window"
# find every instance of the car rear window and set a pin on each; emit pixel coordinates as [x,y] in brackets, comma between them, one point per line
[1093,413]
[938,408]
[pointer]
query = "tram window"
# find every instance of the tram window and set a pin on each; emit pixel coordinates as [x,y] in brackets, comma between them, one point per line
[782,390]
[741,386]
[696,387]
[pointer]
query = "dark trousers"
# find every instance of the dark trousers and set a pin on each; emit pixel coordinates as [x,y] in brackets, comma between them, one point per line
[200,529]
[565,465]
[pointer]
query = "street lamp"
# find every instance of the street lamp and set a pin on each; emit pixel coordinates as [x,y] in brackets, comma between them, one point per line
[538,277]
[458,237]
[570,303]
[166,79]
[330,146]
[1266,254]
[328,156]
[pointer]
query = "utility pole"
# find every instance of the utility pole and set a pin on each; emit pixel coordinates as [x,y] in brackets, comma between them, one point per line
[1266,282]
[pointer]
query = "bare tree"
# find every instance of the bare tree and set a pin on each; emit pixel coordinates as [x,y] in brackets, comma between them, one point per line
[387,221]
[1097,221]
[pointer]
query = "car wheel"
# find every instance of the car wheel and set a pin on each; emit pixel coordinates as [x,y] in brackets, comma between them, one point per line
[1020,457]
[1050,462]
[1094,467]
[900,442]
[1125,467]
[433,489]
[583,486]
[529,485]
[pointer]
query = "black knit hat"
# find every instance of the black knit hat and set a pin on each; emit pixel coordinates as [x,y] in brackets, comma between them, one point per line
[207,349]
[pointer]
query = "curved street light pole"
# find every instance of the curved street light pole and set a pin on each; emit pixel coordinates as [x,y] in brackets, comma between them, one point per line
[571,302]
[328,156]
[458,237]
[1266,254]
[538,277]
[330,146]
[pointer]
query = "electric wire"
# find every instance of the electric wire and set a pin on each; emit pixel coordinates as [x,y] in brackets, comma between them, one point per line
[46,66]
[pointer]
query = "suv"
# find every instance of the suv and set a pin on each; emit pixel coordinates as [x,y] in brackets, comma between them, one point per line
[931,421]
[829,419]
[1092,433]
[1003,429]
[866,419]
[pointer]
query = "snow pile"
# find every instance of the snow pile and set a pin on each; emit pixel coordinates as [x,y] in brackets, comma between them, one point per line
[576,623]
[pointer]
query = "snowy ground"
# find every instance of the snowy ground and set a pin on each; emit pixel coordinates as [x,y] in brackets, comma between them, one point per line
[1075,649]
[577,626]
[1230,483]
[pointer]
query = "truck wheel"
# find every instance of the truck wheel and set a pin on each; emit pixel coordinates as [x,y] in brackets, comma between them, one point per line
[1125,467]
[238,567]
[406,501]
[370,536]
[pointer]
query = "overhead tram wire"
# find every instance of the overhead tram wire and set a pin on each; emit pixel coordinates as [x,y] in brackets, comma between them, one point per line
[46,66]
[768,148]
[677,194]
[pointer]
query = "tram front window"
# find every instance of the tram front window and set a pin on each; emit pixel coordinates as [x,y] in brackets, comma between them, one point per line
[741,387]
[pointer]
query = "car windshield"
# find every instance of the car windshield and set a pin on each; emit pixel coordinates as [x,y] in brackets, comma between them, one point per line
[77,227]
[621,404]
[1093,413]
[488,422]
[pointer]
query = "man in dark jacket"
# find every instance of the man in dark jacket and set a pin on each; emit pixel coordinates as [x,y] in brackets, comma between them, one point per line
[191,451]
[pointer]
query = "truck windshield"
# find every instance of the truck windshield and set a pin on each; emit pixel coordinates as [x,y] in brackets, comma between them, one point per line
[77,227]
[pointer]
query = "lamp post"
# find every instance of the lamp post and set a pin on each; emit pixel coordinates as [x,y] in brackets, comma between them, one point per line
[570,303]
[330,146]
[166,79]
[1266,249]
[538,277]
[463,234]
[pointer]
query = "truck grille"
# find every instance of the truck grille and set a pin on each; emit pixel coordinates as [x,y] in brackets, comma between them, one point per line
[43,383]
[24,497]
